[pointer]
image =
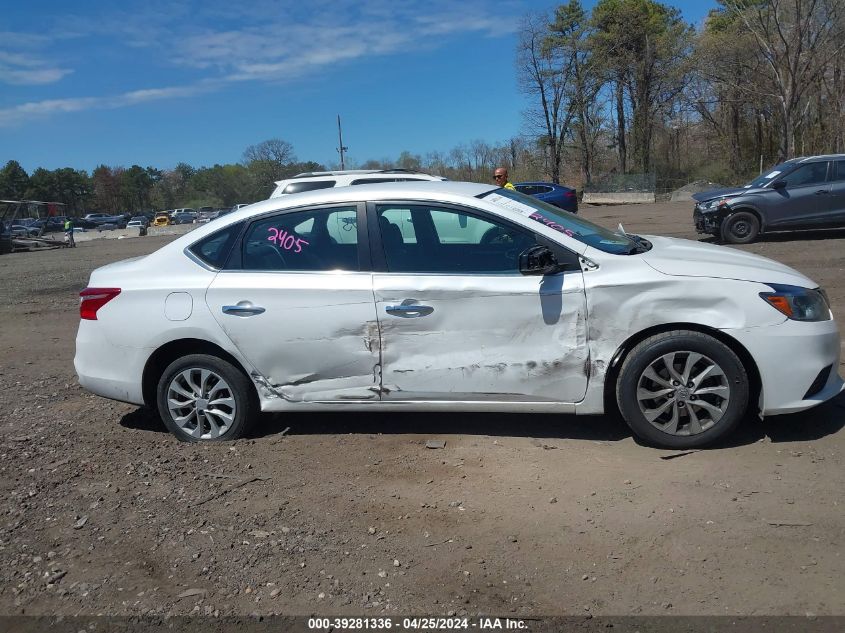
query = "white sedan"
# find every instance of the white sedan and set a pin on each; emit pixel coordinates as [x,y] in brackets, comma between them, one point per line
[449,296]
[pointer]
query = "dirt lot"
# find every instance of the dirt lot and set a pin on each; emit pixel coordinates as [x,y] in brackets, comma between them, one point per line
[104,512]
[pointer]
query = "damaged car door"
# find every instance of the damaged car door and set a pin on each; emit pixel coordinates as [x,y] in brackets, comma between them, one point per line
[458,319]
[294,302]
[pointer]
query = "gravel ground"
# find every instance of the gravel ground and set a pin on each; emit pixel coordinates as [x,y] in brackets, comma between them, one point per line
[102,511]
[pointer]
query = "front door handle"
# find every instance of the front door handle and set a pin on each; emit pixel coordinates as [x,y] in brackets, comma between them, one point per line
[243,309]
[409,310]
[821,192]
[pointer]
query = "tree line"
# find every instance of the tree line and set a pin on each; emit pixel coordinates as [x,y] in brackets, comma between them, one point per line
[627,89]
[630,87]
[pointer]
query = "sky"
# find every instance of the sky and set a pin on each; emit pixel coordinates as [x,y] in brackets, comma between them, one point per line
[156,83]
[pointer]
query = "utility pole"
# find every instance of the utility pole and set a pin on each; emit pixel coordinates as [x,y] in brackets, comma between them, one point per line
[341,147]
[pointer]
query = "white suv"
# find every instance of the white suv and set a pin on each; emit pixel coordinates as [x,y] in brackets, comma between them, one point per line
[309,181]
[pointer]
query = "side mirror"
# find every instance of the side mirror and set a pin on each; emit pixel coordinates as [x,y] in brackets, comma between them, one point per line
[538,260]
[779,184]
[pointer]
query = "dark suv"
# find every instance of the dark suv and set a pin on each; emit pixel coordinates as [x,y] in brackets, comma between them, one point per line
[802,193]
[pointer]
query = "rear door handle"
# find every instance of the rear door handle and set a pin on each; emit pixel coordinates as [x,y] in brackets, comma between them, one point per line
[409,310]
[822,192]
[243,309]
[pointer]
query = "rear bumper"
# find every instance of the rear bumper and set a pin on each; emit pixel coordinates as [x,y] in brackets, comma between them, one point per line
[108,370]
[790,358]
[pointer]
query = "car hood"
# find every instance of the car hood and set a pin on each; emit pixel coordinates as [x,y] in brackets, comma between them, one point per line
[712,194]
[673,256]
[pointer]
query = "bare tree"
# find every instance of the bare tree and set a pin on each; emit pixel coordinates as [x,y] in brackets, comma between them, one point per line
[569,40]
[798,40]
[274,150]
[544,77]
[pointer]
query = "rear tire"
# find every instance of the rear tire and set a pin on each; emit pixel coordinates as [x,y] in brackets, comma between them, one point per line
[203,398]
[682,389]
[742,227]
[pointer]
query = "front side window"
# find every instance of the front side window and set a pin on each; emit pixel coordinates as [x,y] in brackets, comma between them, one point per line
[321,239]
[840,170]
[423,239]
[807,174]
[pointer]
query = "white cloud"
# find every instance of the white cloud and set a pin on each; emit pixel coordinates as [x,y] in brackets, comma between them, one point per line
[262,40]
[23,69]
[25,111]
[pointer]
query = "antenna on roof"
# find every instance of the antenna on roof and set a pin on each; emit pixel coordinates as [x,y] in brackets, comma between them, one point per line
[341,147]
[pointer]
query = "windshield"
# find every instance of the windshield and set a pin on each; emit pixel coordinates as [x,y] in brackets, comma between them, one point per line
[562,221]
[766,177]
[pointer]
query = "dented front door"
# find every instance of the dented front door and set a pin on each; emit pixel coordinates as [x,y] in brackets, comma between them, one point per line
[483,337]
[459,322]
[302,316]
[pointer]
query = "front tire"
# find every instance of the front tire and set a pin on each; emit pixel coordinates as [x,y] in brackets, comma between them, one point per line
[204,398]
[682,389]
[742,227]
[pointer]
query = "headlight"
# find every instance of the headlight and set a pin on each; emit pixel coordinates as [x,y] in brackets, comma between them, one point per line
[799,304]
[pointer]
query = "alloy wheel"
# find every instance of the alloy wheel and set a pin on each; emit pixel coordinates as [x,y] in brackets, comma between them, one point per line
[201,403]
[683,393]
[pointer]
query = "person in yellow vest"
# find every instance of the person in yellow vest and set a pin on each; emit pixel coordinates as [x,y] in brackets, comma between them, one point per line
[69,232]
[501,178]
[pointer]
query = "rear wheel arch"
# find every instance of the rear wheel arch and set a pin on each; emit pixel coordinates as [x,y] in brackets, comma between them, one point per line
[616,362]
[167,353]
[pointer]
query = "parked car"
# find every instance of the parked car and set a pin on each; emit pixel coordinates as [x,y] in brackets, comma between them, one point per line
[95,220]
[452,297]
[24,230]
[138,220]
[802,193]
[312,180]
[52,224]
[136,224]
[185,217]
[565,198]
[162,219]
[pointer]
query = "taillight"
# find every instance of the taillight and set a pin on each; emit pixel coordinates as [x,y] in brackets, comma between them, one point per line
[92,299]
[570,194]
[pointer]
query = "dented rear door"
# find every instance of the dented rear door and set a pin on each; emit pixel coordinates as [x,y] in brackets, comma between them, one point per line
[452,333]
[303,316]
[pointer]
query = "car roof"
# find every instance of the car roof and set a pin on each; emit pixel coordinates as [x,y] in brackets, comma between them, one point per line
[539,182]
[383,190]
[820,157]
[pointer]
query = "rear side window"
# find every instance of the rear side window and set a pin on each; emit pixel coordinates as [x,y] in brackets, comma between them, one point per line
[214,250]
[320,239]
[309,185]
[840,170]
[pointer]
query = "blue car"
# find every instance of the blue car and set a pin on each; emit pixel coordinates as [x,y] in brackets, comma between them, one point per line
[558,195]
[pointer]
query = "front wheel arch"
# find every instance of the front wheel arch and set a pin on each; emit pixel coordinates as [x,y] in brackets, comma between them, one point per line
[761,223]
[167,353]
[618,358]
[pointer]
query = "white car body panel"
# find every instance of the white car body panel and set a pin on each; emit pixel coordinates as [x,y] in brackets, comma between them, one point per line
[310,317]
[380,360]
[488,337]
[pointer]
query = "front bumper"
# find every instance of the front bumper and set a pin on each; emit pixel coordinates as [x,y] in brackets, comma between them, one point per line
[706,223]
[791,357]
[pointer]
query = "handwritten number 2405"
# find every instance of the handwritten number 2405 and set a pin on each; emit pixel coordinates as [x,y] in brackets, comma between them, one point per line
[285,240]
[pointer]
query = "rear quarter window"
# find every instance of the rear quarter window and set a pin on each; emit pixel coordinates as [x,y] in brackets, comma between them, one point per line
[310,185]
[214,250]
